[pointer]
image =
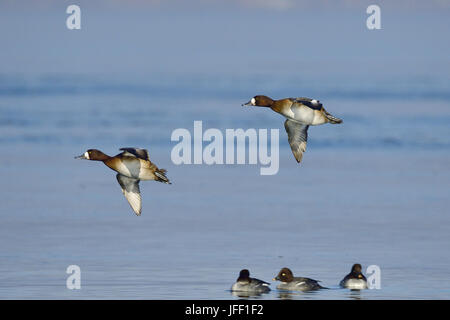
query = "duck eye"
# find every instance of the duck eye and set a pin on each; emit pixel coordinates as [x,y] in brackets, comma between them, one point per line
[283,274]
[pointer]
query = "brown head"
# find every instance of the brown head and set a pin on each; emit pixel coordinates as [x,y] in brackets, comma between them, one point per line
[259,101]
[285,275]
[93,154]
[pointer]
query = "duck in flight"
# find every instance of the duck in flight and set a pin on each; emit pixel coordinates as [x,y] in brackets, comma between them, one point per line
[300,113]
[132,165]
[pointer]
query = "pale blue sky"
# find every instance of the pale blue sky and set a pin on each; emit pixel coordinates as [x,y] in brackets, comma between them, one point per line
[322,38]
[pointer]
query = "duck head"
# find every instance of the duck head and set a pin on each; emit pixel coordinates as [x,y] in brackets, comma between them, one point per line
[357,270]
[259,101]
[285,275]
[93,154]
[244,275]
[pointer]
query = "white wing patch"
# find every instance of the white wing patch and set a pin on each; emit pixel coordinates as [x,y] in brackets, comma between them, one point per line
[131,191]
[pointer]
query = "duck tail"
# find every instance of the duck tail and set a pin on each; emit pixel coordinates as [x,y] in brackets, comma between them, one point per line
[332,119]
[161,176]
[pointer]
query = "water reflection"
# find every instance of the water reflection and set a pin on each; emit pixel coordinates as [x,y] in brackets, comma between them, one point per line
[246,295]
[354,294]
[289,295]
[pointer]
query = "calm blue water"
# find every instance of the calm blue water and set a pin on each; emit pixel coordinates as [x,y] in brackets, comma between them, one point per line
[373,190]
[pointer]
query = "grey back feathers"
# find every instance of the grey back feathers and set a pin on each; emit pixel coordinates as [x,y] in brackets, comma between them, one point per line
[300,284]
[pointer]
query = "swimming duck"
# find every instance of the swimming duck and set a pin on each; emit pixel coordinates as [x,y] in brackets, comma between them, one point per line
[132,166]
[246,284]
[300,113]
[355,279]
[289,282]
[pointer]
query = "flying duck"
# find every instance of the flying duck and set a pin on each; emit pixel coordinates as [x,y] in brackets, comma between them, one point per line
[132,166]
[300,113]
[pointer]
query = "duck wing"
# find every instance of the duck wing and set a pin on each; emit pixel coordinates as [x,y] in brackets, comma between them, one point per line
[131,191]
[297,137]
[310,283]
[315,283]
[259,282]
[310,103]
[135,152]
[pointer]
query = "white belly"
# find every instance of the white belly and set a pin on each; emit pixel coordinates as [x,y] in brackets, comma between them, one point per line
[292,286]
[250,287]
[240,287]
[305,115]
[356,284]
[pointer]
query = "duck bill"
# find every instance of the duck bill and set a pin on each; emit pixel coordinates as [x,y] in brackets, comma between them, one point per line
[247,103]
[81,157]
[275,279]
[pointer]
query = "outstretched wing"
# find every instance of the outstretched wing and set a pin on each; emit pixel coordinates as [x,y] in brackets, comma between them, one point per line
[131,191]
[135,152]
[297,137]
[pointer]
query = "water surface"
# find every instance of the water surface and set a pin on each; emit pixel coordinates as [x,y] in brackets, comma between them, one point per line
[373,190]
